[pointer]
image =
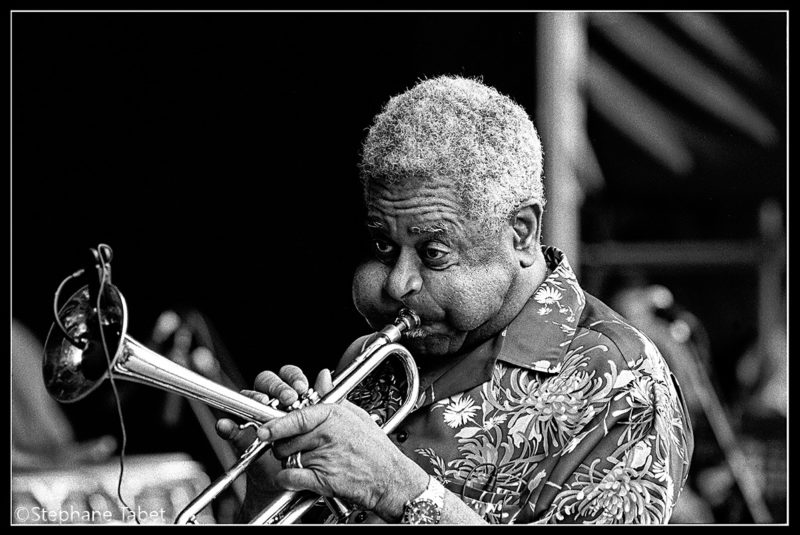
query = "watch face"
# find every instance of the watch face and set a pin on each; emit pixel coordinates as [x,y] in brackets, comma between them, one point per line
[421,511]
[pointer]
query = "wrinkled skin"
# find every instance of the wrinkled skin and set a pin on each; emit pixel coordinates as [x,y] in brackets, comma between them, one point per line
[465,283]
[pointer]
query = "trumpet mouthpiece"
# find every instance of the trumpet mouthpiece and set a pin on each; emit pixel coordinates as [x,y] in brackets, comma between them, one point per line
[407,319]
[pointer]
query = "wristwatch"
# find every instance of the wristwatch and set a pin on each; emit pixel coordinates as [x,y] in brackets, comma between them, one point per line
[427,507]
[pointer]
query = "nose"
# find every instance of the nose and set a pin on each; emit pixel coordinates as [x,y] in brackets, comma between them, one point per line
[404,279]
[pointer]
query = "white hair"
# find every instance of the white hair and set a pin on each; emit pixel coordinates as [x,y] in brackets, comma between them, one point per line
[461,130]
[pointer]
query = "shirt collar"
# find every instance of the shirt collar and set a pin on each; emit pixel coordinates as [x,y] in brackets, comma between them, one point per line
[536,339]
[539,336]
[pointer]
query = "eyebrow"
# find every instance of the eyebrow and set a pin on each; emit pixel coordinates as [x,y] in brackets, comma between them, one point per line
[427,229]
[430,229]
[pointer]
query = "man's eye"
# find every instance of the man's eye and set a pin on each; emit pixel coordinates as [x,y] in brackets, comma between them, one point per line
[434,254]
[383,247]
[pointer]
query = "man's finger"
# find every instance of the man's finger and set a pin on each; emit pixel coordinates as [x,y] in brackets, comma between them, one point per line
[258,396]
[299,479]
[226,429]
[324,383]
[230,430]
[305,442]
[295,423]
[295,378]
[275,387]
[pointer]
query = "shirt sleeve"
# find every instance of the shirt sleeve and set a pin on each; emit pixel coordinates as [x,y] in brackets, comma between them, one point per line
[629,465]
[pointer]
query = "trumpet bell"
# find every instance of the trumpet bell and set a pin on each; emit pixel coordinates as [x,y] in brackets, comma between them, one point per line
[71,372]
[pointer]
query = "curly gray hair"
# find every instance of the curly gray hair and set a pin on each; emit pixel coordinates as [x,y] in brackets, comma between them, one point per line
[464,131]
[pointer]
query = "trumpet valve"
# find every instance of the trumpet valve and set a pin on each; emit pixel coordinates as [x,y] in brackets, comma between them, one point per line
[311,397]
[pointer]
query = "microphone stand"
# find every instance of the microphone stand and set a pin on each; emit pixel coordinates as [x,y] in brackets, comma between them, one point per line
[700,383]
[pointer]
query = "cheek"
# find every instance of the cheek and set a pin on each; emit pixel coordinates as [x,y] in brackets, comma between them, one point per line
[472,299]
[367,286]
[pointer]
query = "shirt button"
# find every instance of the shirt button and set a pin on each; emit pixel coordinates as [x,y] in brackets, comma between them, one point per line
[402,436]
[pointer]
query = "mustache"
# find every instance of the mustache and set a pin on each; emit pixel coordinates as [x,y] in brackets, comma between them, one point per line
[415,333]
[379,318]
[386,317]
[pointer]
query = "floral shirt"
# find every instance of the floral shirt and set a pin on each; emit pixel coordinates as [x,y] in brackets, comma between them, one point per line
[570,414]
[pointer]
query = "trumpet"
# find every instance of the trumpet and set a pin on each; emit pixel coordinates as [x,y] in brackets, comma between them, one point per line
[88,343]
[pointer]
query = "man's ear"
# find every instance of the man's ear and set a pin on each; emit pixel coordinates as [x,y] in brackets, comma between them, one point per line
[527,225]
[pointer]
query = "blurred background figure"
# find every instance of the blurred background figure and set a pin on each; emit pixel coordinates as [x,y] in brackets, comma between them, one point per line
[41,434]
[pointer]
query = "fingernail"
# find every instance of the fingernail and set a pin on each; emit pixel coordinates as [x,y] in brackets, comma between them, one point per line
[263,434]
[299,386]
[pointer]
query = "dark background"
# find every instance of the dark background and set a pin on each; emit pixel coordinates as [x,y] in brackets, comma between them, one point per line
[216,153]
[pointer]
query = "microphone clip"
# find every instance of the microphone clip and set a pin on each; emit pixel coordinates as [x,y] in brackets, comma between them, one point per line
[97,274]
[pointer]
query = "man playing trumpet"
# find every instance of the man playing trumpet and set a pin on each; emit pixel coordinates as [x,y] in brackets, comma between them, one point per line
[537,404]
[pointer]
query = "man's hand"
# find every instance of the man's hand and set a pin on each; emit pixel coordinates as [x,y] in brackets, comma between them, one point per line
[260,475]
[343,452]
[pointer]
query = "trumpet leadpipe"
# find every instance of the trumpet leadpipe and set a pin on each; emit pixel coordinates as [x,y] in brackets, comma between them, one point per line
[139,364]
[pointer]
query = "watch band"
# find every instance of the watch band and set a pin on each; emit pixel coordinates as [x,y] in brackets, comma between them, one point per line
[427,507]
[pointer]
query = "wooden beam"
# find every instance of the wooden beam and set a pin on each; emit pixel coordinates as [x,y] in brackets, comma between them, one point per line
[560,120]
[683,254]
[658,53]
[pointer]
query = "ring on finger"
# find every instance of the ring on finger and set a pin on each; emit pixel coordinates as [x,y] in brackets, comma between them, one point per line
[293,461]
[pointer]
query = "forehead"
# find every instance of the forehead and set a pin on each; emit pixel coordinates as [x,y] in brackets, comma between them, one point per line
[418,207]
